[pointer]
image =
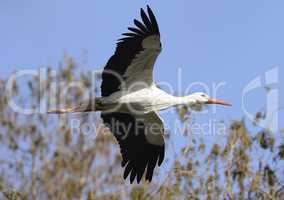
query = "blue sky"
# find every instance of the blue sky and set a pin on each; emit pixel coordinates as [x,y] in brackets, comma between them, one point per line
[211,41]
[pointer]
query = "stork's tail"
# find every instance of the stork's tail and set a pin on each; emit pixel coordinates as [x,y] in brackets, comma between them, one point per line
[83,107]
[62,111]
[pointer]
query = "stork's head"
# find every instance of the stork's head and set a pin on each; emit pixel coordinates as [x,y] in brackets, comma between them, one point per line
[199,99]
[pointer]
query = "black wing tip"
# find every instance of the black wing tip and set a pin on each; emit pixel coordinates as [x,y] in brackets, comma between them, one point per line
[161,157]
[138,179]
[153,20]
[147,169]
[141,29]
[134,174]
[148,8]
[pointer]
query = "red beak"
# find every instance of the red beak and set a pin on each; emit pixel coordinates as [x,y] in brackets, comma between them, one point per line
[218,101]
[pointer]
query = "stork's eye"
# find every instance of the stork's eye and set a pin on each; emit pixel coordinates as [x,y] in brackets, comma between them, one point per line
[203,95]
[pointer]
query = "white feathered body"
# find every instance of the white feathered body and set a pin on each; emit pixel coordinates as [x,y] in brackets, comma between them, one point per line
[142,101]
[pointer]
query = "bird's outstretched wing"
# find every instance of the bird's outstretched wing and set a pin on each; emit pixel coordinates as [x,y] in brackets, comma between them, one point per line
[141,142]
[134,57]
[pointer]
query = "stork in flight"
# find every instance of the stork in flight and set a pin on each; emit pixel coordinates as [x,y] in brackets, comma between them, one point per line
[130,99]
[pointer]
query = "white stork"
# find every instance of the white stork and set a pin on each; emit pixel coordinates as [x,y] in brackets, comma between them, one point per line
[130,99]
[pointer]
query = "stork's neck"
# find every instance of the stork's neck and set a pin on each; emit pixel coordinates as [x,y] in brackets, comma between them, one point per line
[184,100]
